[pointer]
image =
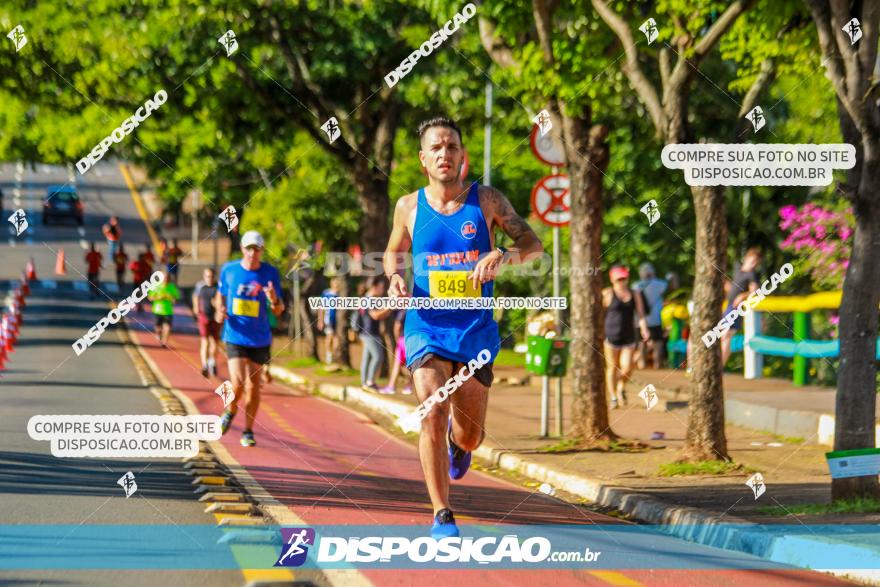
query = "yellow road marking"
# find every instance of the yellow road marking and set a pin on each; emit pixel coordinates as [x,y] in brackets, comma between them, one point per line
[615,578]
[246,553]
[139,204]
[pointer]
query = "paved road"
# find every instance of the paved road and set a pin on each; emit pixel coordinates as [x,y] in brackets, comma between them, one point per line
[322,462]
[44,376]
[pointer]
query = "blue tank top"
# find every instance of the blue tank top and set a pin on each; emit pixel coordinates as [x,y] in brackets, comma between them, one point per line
[454,242]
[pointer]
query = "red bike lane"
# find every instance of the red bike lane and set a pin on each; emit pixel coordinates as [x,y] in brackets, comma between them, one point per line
[331,465]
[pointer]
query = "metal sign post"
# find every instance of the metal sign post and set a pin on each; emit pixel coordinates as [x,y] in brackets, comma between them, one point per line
[551,202]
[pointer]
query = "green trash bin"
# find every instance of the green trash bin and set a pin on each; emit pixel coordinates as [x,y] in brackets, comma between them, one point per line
[547,356]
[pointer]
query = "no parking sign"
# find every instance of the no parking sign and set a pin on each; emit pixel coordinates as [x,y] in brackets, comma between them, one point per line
[551,200]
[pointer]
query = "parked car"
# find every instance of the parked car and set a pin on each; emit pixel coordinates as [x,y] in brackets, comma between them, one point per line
[62,201]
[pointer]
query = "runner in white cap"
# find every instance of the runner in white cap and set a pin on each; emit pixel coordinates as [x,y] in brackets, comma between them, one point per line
[242,293]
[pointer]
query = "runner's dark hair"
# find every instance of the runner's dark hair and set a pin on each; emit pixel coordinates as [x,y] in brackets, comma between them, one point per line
[441,121]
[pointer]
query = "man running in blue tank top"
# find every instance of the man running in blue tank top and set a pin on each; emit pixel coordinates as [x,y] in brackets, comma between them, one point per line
[449,228]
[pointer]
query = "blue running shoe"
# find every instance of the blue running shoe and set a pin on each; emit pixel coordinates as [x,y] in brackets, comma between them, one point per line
[459,460]
[225,421]
[444,525]
[247,438]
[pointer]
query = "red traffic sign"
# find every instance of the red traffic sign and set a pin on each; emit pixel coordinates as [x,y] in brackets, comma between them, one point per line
[551,200]
[548,149]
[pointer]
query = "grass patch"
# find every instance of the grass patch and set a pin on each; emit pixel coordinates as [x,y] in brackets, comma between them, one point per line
[301,362]
[701,468]
[344,371]
[789,439]
[859,505]
[510,358]
[567,445]
[573,445]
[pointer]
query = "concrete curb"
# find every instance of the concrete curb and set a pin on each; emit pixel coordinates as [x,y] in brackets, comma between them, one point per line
[815,427]
[688,523]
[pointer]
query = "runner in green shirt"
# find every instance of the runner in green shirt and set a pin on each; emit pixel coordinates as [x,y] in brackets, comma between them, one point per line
[163,297]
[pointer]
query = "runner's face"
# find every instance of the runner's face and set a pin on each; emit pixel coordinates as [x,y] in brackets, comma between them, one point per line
[252,253]
[441,154]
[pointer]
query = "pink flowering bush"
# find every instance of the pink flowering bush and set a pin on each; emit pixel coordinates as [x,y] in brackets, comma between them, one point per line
[821,239]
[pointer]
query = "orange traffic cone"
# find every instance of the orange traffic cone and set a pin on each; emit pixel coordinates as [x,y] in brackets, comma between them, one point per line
[59,263]
[19,297]
[25,286]
[31,270]
[7,338]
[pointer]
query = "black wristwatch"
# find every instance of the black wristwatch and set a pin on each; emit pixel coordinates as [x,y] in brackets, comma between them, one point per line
[503,253]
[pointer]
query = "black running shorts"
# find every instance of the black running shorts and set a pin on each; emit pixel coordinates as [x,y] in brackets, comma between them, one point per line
[257,354]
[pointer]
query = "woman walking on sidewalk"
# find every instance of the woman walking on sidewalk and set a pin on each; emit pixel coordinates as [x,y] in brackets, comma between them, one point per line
[621,304]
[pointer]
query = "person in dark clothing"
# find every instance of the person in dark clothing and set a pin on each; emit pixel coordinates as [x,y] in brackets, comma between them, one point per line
[745,281]
[621,306]
[369,331]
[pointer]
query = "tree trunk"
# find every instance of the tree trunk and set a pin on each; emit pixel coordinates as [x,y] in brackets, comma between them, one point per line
[309,288]
[857,384]
[372,189]
[705,435]
[590,408]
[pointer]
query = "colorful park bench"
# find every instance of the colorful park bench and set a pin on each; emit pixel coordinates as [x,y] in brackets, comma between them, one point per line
[755,346]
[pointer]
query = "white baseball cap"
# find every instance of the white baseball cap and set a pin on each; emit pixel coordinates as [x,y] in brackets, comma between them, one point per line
[252,237]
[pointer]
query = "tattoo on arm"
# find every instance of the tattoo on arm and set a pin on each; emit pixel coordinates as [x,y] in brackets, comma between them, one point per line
[506,217]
